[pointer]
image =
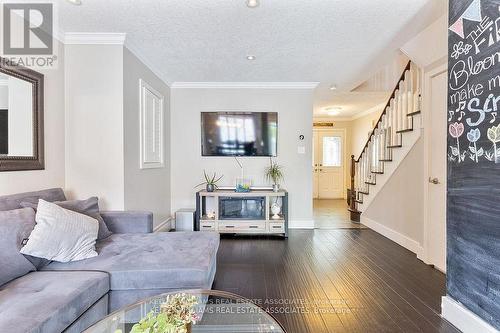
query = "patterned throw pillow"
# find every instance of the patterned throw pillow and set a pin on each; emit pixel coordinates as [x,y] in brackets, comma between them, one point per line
[89,207]
[61,234]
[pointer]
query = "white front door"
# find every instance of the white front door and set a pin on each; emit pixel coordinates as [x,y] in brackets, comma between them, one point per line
[328,165]
[436,223]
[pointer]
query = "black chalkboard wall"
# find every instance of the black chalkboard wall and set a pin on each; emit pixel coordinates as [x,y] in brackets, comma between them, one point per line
[473,226]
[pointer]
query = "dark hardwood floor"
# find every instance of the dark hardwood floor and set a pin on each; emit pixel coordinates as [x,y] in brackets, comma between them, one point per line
[334,281]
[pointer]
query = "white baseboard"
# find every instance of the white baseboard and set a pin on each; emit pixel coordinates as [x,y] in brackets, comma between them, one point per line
[395,236]
[301,224]
[164,225]
[462,318]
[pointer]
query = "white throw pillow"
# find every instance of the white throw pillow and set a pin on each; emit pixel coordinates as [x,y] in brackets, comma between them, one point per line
[61,234]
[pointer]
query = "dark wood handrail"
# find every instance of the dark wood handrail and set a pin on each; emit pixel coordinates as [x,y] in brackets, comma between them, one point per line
[402,78]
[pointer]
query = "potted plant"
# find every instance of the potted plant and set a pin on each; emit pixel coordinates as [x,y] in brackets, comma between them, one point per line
[275,174]
[210,181]
[176,315]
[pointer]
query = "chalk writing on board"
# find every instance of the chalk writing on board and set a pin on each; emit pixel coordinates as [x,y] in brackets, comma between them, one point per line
[474,87]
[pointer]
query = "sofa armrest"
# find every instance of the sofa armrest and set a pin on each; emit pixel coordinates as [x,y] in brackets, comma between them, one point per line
[128,222]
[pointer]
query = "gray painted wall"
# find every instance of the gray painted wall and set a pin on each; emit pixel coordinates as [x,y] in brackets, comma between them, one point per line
[145,189]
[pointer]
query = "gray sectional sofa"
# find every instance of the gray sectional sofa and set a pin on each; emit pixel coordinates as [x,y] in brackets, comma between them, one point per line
[133,263]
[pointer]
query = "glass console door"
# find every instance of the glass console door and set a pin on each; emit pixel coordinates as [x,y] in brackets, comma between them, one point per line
[245,208]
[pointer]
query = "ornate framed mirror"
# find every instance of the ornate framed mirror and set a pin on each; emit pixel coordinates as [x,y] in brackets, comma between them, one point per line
[21,118]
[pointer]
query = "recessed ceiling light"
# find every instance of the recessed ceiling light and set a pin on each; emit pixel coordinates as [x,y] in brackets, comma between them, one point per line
[250,57]
[333,87]
[252,3]
[75,2]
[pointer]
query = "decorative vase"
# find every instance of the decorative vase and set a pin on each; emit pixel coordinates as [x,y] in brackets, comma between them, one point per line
[210,187]
[276,187]
[188,328]
[276,210]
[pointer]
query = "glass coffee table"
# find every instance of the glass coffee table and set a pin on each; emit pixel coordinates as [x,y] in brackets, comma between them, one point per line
[217,311]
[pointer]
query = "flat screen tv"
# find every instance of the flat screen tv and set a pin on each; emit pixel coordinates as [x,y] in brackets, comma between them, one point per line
[239,133]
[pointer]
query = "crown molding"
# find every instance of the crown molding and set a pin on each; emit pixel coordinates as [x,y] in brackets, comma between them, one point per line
[244,85]
[94,38]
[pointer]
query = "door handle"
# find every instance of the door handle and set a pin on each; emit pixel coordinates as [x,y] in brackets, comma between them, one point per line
[434,181]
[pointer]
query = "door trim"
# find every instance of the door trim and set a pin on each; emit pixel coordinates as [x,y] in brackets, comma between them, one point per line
[345,156]
[439,69]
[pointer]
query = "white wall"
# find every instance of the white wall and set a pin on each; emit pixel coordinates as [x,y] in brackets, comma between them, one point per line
[94,123]
[295,118]
[53,175]
[360,128]
[145,189]
[430,45]
[399,204]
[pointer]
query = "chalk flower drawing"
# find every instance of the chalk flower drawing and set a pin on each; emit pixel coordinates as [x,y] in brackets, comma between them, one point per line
[473,136]
[494,136]
[456,130]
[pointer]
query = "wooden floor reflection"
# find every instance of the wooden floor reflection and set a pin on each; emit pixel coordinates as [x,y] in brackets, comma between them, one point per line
[345,280]
[333,214]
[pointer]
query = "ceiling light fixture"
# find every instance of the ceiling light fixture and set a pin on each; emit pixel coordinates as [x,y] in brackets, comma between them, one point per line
[250,57]
[75,2]
[333,87]
[333,111]
[252,3]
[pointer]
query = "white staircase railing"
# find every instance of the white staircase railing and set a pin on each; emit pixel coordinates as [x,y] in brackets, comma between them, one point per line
[395,120]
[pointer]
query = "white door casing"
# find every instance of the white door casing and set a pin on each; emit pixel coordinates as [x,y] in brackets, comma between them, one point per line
[435,171]
[315,165]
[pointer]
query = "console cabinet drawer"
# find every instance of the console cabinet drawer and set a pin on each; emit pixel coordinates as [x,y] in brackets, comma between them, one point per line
[207,226]
[277,228]
[242,226]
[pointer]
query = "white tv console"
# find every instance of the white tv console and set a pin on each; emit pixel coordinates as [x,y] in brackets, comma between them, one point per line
[230,212]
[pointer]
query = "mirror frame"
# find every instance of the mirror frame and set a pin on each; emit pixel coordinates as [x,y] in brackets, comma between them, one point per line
[35,162]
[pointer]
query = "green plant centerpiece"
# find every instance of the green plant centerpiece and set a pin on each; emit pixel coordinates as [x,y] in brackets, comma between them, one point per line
[210,181]
[274,173]
[176,315]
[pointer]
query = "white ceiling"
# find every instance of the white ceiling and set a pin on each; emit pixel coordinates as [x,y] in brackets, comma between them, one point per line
[340,42]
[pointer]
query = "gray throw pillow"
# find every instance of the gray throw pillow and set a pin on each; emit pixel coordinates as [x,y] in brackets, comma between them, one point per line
[89,207]
[15,226]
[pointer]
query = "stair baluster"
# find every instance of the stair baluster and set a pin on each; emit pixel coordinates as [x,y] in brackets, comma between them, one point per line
[387,134]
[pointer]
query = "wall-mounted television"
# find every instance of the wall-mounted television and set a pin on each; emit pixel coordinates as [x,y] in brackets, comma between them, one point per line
[239,133]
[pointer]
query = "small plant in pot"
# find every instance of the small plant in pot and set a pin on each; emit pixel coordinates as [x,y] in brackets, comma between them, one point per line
[210,181]
[274,174]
